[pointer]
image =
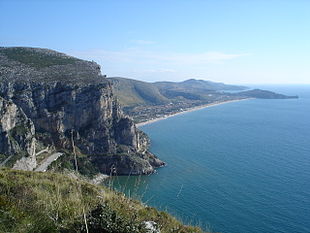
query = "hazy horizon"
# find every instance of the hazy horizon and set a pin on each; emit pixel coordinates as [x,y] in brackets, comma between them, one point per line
[234,83]
[237,42]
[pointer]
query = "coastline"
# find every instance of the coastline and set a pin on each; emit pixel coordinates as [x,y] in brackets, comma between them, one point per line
[188,110]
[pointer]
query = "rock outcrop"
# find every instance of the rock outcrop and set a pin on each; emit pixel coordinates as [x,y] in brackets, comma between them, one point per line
[17,135]
[68,99]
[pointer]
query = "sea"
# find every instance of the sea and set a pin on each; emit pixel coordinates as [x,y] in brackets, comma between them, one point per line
[237,167]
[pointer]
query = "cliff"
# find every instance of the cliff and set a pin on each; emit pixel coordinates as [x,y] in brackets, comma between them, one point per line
[17,135]
[68,101]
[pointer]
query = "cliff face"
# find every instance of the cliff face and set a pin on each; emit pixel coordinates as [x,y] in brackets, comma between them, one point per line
[67,98]
[16,129]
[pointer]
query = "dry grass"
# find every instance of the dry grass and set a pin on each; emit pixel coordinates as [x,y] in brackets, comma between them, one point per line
[52,202]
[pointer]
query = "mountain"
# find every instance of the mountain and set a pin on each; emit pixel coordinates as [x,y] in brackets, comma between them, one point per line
[49,99]
[144,101]
[132,92]
[193,89]
[264,94]
[201,85]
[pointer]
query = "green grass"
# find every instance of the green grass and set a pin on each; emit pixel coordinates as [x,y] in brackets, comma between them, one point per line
[35,58]
[133,92]
[66,162]
[52,202]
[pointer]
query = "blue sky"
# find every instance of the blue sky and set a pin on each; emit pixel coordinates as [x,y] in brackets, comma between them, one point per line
[233,41]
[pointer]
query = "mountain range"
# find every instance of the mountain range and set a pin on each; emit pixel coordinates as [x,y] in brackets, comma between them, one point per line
[131,92]
[144,100]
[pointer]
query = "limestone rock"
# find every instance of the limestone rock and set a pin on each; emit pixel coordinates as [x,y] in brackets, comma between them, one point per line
[67,98]
[17,134]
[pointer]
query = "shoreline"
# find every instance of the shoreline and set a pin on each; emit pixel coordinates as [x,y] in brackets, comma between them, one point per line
[188,110]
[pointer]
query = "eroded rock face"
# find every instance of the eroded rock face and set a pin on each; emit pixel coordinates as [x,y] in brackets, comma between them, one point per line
[73,101]
[17,134]
[60,109]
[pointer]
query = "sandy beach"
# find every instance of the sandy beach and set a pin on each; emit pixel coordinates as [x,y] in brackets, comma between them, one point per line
[187,110]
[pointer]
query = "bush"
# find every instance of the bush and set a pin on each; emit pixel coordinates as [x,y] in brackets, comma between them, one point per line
[51,202]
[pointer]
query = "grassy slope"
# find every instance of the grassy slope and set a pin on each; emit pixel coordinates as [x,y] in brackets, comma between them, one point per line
[38,58]
[51,202]
[133,92]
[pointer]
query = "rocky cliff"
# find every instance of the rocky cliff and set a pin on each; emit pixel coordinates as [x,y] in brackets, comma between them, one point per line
[63,100]
[17,135]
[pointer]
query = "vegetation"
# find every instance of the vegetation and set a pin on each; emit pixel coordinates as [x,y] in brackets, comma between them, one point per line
[3,157]
[143,101]
[36,58]
[19,130]
[52,202]
[13,158]
[194,85]
[263,94]
[133,92]
[67,162]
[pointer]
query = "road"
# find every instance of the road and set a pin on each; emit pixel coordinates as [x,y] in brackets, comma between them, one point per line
[46,162]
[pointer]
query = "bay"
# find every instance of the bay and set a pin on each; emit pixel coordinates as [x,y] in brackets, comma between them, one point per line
[237,167]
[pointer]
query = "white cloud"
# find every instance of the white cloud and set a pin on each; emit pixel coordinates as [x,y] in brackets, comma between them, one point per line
[150,65]
[140,56]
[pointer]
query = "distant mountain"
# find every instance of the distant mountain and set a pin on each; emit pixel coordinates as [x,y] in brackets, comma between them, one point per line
[264,94]
[193,89]
[143,100]
[200,85]
[132,92]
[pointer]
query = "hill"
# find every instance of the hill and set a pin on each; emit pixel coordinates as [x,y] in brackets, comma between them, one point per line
[199,85]
[193,89]
[264,94]
[144,101]
[51,202]
[132,92]
[38,64]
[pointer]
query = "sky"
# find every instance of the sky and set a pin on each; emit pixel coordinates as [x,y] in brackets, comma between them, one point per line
[231,41]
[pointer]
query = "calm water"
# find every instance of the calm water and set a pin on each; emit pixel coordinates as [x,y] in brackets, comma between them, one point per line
[237,167]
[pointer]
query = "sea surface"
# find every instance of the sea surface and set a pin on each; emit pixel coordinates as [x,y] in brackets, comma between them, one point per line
[236,167]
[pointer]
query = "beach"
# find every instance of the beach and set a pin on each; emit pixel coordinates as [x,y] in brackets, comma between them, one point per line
[188,110]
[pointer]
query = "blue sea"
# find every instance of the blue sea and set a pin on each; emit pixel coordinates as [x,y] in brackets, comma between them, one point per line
[236,167]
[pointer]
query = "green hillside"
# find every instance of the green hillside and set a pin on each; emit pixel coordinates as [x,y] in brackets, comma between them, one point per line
[192,85]
[37,57]
[133,92]
[193,89]
[51,202]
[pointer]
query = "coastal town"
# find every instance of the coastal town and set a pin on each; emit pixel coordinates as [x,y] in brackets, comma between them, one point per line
[142,114]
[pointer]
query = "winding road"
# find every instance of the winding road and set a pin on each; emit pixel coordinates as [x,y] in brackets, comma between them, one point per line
[46,162]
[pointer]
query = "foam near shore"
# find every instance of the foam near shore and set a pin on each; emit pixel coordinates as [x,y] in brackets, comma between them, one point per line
[188,110]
